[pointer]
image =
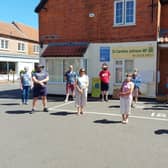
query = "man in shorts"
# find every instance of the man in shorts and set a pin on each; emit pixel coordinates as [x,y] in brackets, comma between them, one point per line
[70,77]
[40,79]
[105,80]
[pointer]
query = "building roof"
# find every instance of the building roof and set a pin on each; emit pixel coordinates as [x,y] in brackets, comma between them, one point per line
[65,50]
[19,31]
[40,6]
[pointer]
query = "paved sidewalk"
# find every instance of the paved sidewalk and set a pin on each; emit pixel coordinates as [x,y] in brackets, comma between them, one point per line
[97,139]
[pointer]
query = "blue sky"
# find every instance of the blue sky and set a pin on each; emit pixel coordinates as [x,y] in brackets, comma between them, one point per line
[20,11]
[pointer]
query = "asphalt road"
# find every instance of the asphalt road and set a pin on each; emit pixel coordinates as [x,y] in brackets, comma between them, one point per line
[98,139]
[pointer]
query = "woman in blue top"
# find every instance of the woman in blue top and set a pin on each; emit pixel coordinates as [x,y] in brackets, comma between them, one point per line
[136,79]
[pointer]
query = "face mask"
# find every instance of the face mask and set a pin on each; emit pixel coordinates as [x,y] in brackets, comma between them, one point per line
[128,78]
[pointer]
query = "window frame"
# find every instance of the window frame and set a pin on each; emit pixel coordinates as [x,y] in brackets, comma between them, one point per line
[82,63]
[123,68]
[5,44]
[124,13]
[21,47]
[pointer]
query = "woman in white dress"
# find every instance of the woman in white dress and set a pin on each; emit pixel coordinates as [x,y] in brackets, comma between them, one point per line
[81,91]
[126,98]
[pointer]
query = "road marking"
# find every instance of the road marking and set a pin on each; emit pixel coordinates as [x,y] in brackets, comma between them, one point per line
[61,105]
[119,115]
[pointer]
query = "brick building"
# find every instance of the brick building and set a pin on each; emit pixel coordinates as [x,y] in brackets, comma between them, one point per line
[19,47]
[126,34]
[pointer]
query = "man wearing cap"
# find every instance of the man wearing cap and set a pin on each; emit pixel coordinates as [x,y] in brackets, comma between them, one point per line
[40,79]
[105,80]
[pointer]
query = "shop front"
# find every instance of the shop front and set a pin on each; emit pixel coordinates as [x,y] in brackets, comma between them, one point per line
[121,58]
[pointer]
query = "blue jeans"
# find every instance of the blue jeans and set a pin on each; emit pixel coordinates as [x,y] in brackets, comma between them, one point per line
[25,94]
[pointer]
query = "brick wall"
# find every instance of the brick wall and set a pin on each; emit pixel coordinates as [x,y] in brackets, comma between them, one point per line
[70,21]
[164,17]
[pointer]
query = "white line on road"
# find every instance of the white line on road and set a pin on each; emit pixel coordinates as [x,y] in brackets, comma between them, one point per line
[119,115]
[61,105]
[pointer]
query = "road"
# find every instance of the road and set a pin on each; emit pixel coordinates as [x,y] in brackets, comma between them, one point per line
[98,139]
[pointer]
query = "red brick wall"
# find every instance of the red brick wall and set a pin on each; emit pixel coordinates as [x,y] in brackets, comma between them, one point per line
[164,17]
[69,20]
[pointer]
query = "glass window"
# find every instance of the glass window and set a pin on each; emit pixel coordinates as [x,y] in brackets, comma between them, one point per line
[121,68]
[4,44]
[5,67]
[21,47]
[124,12]
[54,68]
[119,12]
[57,67]
[129,11]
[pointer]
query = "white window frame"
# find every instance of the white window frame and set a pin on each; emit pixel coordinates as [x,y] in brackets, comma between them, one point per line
[22,47]
[5,45]
[82,62]
[124,23]
[36,49]
[123,69]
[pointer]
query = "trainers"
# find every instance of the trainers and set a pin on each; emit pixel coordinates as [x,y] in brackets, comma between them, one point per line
[45,109]
[32,111]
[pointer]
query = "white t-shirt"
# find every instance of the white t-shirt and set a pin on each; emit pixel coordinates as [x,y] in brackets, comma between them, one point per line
[83,81]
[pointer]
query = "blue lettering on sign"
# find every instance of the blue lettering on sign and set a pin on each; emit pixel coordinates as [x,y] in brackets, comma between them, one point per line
[104,54]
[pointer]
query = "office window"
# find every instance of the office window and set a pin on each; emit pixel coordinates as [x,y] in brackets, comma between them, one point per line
[122,67]
[57,68]
[124,12]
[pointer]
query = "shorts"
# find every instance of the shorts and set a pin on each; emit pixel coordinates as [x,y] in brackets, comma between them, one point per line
[70,87]
[104,86]
[39,91]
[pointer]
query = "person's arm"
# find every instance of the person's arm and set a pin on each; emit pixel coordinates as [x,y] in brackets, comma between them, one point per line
[45,80]
[21,83]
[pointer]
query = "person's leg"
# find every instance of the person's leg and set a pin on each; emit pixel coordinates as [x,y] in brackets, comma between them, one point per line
[34,103]
[23,95]
[103,93]
[44,102]
[83,101]
[73,91]
[67,93]
[122,108]
[27,94]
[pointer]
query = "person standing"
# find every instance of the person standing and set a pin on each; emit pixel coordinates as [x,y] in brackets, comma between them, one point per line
[40,79]
[136,79]
[82,84]
[126,98]
[25,85]
[105,80]
[70,77]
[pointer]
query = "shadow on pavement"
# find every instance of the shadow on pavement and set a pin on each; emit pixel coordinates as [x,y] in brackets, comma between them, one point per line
[62,113]
[10,104]
[161,131]
[105,121]
[9,94]
[18,112]
[155,108]
[116,106]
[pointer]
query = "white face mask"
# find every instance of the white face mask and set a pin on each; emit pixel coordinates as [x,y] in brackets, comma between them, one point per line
[128,78]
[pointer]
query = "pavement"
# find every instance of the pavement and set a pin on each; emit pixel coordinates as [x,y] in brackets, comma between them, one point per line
[98,139]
